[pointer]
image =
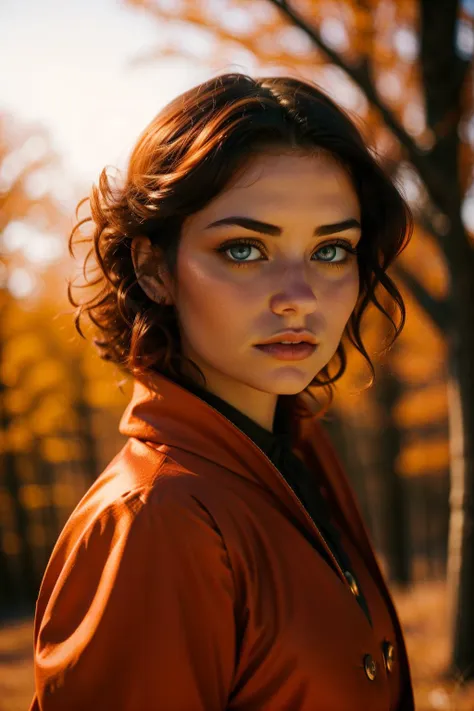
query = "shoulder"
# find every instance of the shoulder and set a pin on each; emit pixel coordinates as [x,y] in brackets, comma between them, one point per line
[131,506]
[150,531]
[133,568]
[171,504]
[142,486]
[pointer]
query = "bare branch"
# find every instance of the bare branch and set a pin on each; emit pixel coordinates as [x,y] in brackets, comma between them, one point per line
[361,76]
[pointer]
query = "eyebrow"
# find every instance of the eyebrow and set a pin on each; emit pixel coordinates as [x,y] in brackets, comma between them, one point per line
[250,224]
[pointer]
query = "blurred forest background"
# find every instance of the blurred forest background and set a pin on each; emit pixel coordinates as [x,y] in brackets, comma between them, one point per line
[80,81]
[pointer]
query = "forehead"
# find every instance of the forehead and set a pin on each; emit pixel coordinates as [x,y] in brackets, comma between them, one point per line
[294,183]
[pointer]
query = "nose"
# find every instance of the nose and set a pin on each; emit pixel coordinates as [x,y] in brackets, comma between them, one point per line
[294,293]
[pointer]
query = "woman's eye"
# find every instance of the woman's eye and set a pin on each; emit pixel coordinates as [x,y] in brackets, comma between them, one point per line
[329,252]
[241,252]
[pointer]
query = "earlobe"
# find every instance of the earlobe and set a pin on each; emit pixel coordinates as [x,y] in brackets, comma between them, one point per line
[149,270]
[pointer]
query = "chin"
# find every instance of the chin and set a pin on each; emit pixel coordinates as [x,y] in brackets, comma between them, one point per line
[287,385]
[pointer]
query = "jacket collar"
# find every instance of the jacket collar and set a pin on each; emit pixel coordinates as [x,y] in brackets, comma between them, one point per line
[162,411]
[165,413]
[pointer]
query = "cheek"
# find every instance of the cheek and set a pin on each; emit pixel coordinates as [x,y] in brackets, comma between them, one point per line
[339,298]
[200,310]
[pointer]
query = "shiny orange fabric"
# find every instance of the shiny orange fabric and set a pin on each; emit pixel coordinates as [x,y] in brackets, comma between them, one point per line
[190,578]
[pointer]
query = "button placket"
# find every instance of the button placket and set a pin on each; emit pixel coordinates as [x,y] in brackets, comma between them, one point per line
[370,667]
[388,652]
[352,583]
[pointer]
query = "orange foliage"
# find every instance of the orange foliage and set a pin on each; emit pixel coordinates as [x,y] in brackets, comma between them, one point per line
[424,457]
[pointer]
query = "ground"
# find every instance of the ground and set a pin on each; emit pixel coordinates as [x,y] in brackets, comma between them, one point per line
[422,611]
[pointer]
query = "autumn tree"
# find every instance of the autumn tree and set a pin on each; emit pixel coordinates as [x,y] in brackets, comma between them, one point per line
[24,152]
[51,388]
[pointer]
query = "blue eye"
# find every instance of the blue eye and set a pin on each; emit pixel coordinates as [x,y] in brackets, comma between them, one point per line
[332,249]
[246,248]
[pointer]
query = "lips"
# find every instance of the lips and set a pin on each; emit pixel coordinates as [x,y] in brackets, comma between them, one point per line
[284,343]
[293,337]
[291,351]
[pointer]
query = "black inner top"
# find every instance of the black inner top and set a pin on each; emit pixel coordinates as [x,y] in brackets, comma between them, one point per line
[277,446]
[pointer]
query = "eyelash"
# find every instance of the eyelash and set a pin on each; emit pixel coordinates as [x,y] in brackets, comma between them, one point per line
[256,243]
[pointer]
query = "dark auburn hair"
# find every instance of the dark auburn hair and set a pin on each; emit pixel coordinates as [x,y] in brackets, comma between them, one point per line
[185,157]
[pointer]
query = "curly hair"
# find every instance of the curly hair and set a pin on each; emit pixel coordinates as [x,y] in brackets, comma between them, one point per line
[185,157]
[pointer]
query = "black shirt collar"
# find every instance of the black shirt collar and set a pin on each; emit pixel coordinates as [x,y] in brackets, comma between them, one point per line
[263,438]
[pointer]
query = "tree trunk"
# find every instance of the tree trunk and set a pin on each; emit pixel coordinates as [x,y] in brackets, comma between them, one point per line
[86,426]
[19,573]
[346,440]
[394,504]
[461,406]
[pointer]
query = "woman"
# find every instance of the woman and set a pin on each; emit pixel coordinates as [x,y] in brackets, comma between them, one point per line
[220,560]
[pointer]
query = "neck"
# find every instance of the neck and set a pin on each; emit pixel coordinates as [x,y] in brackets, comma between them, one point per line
[255,404]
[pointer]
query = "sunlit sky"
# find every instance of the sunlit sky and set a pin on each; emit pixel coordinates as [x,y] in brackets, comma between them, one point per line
[66,66]
[65,63]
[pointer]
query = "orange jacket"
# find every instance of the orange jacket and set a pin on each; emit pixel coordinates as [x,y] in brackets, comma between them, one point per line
[189,578]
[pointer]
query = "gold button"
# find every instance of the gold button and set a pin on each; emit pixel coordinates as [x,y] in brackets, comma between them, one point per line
[370,666]
[352,582]
[388,655]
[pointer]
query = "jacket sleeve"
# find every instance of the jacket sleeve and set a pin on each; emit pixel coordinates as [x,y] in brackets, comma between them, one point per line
[141,616]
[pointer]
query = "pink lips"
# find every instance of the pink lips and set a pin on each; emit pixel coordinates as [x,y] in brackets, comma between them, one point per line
[283,351]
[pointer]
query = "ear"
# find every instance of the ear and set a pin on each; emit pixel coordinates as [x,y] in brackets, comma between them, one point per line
[151,271]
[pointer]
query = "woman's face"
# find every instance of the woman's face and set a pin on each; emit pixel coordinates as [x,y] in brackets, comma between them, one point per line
[231,296]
